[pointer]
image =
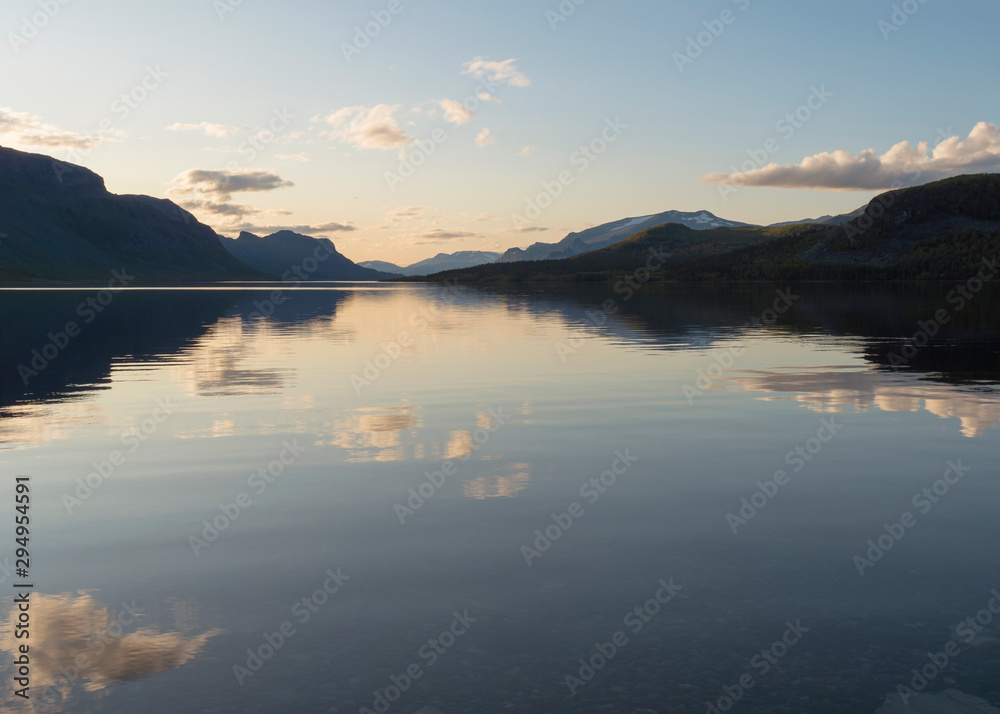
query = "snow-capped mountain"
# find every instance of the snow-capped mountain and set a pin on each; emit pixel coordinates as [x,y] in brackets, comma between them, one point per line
[610,233]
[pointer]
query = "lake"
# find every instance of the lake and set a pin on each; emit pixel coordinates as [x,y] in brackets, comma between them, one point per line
[392,497]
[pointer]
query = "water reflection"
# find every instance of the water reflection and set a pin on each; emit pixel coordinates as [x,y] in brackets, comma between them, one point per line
[834,390]
[242,386]
[79,644]
[219,363]
[216,349]
[376,434]
[499,485]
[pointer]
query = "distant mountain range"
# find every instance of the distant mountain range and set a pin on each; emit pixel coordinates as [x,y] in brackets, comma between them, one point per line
[441,261]
[610,233]
[947,230]
[828,220]
[293,256]
[60,224]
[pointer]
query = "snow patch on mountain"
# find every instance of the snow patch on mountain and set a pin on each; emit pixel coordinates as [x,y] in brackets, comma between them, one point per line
[636,221]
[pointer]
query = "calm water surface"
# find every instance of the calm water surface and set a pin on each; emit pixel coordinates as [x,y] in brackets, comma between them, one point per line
[390,497]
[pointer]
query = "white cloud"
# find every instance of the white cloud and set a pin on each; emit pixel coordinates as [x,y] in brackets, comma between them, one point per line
[226,212]
[320,230]
[217,130]
[292,157]
[25,130]
[902,165]
[485,138]
[409,213]
[455,112]
[437,235]
[369,128]
[526,151]
[220,185]
[527,229]
[210,192]
[505,72]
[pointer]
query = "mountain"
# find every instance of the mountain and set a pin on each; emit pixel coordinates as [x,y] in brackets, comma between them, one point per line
[446,261]
[292,256]
[58,222]
[675,242]
[827,220]
[610,233]
[383,266]
[441,261]
[946,230]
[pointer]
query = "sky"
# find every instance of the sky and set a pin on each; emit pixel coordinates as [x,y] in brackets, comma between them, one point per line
[400,129]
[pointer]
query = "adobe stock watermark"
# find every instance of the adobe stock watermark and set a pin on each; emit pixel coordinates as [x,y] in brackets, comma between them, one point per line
[294,275]
[225,7]
[797,459]
[414,158]
[966,633]
[133,438]
[302,611]
[785,129]
[122,108]
[88,310]
[436,480]
[591,490]
[924,500]
[901,15]
[581,160]
[391,350]
[259,481]
[6,569]
[726,359]
[428,655]
[714,29]
[626,287]
[430,314]
[762,663]
[32,26]
[562,13]
[958,298]
[277,124]
[635,620]
[365,34]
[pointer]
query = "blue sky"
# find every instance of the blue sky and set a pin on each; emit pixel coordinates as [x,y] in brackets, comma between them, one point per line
[221,74]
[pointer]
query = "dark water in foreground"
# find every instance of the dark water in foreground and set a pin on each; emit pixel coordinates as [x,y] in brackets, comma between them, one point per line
[450,499]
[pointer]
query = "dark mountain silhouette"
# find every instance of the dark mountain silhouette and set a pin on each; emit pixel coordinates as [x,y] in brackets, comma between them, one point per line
[293,256]
[828,220]
[59,223]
